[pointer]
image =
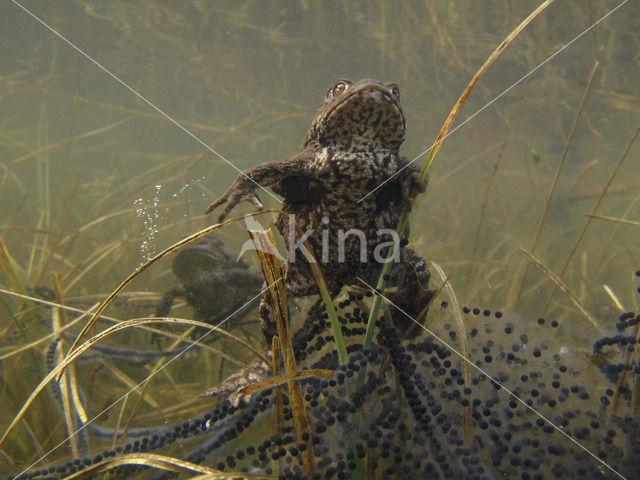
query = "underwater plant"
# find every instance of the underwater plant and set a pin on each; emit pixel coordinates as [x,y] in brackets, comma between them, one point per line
[550,393]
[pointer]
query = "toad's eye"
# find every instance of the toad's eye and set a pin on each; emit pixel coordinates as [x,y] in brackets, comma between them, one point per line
[338,88]
[395,91]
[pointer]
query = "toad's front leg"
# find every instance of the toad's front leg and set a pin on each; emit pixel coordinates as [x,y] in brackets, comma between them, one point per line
[242,189]
[261,176]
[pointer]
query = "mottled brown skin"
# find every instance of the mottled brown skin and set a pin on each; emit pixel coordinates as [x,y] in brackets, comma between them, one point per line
[351,149]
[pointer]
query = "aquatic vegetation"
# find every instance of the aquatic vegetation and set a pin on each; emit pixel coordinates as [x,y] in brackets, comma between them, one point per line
[566,214]
[529,407]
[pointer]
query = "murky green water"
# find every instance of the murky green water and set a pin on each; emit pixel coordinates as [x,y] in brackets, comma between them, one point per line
[94,181]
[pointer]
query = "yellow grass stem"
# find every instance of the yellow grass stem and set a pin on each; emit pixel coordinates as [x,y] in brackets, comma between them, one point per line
[264,242]
[147,264]
[161,462]
[402,223]
[561,285]
[556,177]
[57,372]
[596,205]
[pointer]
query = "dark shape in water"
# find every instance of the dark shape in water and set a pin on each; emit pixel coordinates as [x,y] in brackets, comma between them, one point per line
[211,281]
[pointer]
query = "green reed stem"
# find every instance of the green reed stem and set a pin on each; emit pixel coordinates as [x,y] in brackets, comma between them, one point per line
[444,131]
[386,268]
[335,324]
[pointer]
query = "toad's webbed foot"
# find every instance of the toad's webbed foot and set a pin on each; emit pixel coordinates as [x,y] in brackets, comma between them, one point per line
[234,384]
[412,184]
[243,189]
[413,293]
[288,177]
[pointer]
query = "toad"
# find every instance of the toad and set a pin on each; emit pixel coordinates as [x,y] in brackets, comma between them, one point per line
[345,191]
[210,281]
